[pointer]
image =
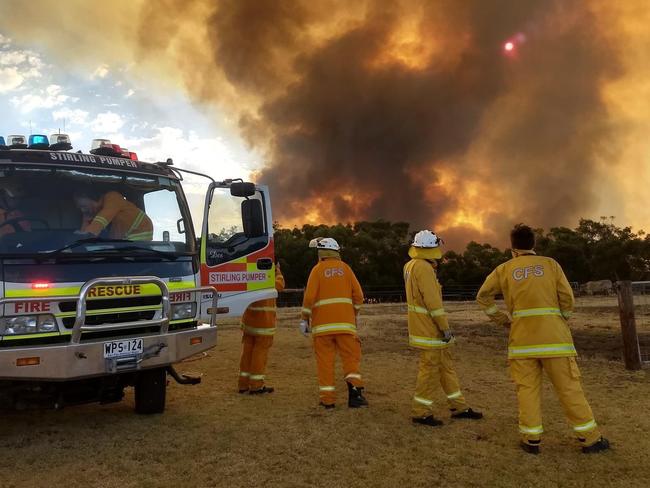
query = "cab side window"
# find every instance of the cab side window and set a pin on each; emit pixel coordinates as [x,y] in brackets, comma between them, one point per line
[236,226]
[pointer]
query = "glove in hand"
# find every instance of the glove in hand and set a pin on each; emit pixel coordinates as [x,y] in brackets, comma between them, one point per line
[304,328]
[448,335]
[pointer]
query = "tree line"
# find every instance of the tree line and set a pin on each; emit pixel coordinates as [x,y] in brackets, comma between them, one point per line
[377,251]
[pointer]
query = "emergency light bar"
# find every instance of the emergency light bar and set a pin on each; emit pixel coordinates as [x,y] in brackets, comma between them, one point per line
[97,143]
[104,147]
[38,141]
[129,154]
[60,142]
[17,142]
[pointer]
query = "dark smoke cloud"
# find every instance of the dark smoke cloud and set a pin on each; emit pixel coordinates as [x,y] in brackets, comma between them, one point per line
[360,137]
[253,40]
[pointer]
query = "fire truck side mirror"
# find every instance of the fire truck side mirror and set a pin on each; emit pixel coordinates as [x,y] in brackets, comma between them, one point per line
[180,226]
[242,189]
[252,217]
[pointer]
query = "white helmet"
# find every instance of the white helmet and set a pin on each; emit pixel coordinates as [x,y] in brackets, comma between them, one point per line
[426,239]
[325,243]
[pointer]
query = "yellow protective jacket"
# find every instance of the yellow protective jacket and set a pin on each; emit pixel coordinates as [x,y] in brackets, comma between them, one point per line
[259,317]
[426,316]
[539,300]
[332,298]
[127,221]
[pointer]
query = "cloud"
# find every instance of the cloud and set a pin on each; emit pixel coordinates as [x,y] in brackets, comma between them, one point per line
[209,155]
[187,149]
[107,123]
[100,72]
[10,79]
[49,97]
[13,58]
[71,116]
[130,93]
[17,66]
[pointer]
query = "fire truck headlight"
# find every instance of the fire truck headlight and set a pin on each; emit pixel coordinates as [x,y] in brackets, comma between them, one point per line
[27,324]
[183,311]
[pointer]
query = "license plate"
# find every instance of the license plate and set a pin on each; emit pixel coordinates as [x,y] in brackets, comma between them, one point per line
[126,347]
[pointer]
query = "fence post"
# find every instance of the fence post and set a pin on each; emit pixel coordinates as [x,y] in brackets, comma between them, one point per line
[631,351]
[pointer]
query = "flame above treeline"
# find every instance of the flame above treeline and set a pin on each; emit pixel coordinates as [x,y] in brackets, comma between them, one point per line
[465,117]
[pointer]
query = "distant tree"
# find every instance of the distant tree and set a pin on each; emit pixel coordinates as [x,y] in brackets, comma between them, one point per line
[225,234]
[569,249]
[378,250]
[375,250]
[472,266]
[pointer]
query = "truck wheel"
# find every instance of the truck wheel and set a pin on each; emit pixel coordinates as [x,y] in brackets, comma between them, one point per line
[150,391]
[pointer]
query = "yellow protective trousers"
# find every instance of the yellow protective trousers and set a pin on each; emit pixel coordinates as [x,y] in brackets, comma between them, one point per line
[436,370]
[254,355]
[565,377]
[349,348]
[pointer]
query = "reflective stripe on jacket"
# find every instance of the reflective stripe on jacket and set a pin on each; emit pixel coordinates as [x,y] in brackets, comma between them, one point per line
[259,318]
[426,316]
[539,299]
[333,297]
[127,221]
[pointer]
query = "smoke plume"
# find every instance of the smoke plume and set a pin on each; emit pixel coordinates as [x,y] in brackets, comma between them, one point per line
[414,110]
[409,110]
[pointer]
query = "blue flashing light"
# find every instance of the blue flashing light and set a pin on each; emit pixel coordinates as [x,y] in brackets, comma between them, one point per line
[38,140]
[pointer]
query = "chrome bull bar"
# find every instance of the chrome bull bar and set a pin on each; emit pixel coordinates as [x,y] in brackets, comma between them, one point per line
[79,324]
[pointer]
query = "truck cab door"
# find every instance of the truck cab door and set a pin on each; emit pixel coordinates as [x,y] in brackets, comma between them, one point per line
[237,257]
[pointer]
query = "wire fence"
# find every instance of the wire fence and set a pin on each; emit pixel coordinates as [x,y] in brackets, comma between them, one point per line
[384,294]
[292,297]
[636,311]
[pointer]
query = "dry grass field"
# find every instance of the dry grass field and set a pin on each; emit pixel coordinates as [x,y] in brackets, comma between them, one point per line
[212,436]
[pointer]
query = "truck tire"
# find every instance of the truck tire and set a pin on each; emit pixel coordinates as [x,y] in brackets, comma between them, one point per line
[151,391]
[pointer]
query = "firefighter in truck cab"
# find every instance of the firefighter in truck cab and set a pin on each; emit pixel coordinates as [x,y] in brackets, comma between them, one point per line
[11,218]
[111,210]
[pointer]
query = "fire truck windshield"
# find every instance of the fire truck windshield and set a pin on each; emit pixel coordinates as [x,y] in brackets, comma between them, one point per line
[76,211]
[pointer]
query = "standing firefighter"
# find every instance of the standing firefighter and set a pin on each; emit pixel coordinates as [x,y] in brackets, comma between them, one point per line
[430,332]
[258,327]
[333,298]
[539,300]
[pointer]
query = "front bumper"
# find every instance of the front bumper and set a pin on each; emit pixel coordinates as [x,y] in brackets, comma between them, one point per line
[72,361]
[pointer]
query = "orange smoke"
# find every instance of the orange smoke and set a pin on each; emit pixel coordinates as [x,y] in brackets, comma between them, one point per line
[402,109]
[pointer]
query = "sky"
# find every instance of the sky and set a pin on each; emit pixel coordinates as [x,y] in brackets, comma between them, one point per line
[464,117]
[101,100]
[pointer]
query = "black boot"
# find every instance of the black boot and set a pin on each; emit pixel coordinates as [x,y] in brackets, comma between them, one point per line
[431,421]
[355,397]
[263,390]
[466,414]
[600,446]
[532,448]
